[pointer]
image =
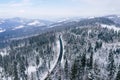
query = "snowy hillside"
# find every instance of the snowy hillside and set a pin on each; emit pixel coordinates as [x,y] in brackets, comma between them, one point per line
[88,49]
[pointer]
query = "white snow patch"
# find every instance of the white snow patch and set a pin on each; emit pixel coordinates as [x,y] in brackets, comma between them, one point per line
[33,23]
[9,78]
[3,53]
[41,62]
[18,27]
[31,69]
[110,27]
[110,17]
[36,23]
[89,31]
[2,30]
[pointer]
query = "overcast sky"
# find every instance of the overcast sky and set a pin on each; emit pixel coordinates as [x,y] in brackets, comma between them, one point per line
[58,8]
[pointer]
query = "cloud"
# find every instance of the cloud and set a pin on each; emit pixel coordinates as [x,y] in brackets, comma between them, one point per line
[16,4]
[19,4]
[21,11]
[26,1]
[40,8]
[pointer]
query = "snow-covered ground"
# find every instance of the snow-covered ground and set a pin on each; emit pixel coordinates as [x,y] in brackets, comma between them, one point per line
[33,23]
[36,22]
[18,27]
[102,59]
[2,30]
[31,69]
[110,27]
[4,52]
[55,62]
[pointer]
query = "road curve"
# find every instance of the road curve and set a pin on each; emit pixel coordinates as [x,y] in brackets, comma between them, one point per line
[59,57]
[61,50]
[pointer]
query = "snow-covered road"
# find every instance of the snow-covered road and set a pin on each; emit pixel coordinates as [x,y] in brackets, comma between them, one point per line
[59,58]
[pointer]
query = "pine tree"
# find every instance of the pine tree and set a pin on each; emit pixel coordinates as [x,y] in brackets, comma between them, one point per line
[15,71]
[22,68]
[83,60]
[26,66]
[98,45]
[118,74]
[37,63]
[66,70]
[74,71]
[91,61]
[90,49]
[111,66]
[37,60]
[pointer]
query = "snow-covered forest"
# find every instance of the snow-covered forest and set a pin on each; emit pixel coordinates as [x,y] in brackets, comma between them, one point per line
[76,50]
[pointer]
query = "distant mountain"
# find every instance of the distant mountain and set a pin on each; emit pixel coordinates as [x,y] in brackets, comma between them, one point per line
[16,28]
[114,18]
[11,23]
[21,27]
[83,22]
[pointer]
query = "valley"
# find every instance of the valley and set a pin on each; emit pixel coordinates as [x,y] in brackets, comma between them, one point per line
[83,49]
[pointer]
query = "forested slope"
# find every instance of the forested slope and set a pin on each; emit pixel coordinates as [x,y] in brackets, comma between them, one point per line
[86,51]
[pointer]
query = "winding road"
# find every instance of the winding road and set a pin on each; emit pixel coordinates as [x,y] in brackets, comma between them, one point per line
[58,59]
[61,49]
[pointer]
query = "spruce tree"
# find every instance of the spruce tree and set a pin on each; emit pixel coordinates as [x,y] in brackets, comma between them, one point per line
[66,69]
[111,66]
[118,74]
[15,71]
[74,71]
